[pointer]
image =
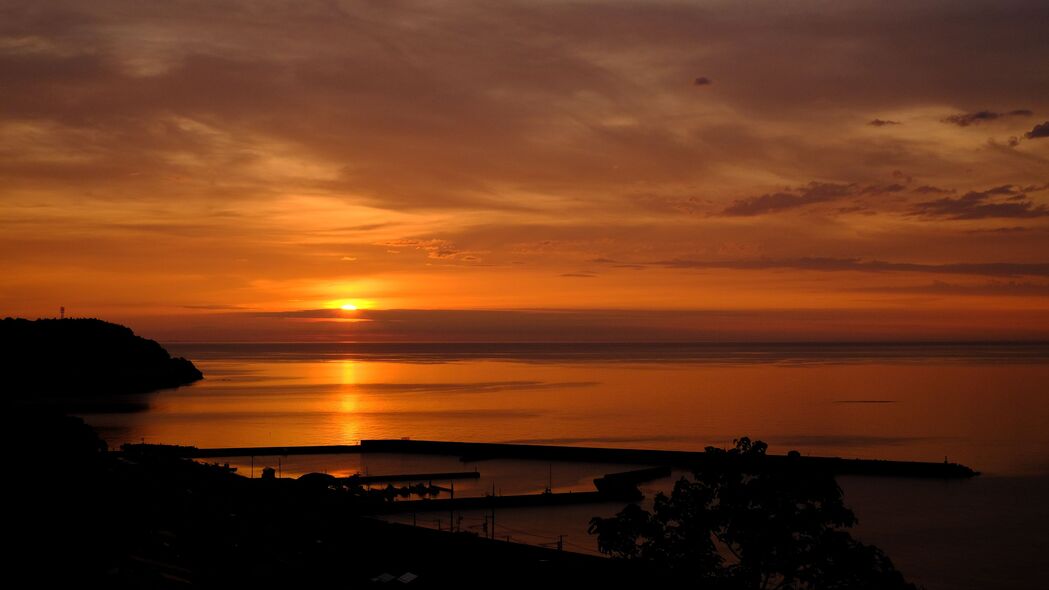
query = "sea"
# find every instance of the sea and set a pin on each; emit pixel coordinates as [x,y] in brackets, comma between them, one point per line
[984,405]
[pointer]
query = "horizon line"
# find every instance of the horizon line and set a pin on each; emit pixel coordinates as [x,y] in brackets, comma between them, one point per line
[1044,342]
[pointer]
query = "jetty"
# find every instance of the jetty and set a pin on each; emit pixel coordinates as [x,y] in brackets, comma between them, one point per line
[470,452]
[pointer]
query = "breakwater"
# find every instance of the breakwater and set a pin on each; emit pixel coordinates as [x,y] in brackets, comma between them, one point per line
[473,452]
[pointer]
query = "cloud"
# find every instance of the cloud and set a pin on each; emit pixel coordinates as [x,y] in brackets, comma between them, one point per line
[812,193]
[323,81]
[435,248]
[526,335]
[882,123]
[998,230]
[306,314]
[881,189]
[1004,201]
[321,123]
[1007,269]
[928,189]
[967,119]
[364,227]
[216,307]
[1040,130]
[993,288]
[702,81]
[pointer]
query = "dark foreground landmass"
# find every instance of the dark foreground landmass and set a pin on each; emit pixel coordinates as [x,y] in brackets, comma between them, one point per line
[147,517]
[150,520]
[81,359]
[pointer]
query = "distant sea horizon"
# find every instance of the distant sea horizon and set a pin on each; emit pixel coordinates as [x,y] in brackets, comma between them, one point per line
[654,351]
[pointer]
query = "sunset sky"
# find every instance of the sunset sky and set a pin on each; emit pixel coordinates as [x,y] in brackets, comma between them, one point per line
[535,170]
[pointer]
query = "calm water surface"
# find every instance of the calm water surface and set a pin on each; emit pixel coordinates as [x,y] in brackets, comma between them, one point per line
[982,405]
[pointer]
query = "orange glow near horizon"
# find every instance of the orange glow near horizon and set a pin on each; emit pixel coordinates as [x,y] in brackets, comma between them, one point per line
[788,198]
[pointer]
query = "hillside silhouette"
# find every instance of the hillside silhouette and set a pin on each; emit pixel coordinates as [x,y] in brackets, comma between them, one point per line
[84,358]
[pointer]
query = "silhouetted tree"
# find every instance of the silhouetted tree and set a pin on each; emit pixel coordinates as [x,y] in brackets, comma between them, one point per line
[741,524]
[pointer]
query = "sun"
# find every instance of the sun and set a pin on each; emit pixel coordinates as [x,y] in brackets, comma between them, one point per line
[348,307]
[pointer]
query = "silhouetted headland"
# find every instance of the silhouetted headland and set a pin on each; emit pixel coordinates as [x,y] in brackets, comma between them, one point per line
[84,359]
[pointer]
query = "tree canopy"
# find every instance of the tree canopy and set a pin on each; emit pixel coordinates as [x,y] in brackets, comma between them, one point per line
[743,525]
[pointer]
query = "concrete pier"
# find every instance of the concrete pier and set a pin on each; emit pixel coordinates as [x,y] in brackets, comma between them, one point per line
[690,460]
